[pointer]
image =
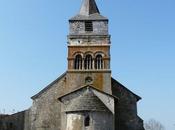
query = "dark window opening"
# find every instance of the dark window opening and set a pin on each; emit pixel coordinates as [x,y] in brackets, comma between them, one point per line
[99,62]
[78,62]
[11,125]
[88,26]
[88,62]
[87,121]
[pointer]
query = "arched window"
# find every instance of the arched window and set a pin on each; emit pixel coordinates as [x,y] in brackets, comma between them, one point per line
[88,62]
[99,62]
[87,121]
[78,62]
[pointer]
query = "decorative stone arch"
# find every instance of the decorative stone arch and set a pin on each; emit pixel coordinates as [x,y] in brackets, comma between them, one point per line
[78,53]
[99,60]
[101,53]
[78,62]
[89,53]
[88,62]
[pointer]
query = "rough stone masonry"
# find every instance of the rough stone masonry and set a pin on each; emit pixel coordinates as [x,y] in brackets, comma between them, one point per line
[85,97]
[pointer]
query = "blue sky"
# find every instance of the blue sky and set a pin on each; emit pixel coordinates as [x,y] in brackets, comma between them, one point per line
[33,50]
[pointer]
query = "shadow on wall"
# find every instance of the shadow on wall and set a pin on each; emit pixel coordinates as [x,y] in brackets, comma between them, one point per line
[12,122]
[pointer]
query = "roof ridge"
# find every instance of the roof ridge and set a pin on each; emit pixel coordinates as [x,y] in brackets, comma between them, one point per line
[138,97]
[48,86]
[87,86]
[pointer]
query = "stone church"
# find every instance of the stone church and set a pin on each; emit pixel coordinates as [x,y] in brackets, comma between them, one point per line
[85,97]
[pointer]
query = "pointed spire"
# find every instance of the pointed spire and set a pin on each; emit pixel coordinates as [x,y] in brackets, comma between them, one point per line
[88,11]
[89,7]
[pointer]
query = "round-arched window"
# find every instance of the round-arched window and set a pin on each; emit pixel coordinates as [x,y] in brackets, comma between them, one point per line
[88,62]
[99,62]
[78,62]
[87,121]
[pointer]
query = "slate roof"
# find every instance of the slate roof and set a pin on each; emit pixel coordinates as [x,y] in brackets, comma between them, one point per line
[86,86]
[49,86]
[94,17]
[88,101]
[89,11]
[113,81]
[89,7]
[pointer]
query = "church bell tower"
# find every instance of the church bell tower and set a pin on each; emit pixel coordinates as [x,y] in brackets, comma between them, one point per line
[89,49]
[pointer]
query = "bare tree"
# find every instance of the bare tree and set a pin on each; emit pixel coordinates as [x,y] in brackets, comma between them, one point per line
[153,125]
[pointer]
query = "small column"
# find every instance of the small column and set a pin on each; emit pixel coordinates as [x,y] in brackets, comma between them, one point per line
[82,63]
[93,64]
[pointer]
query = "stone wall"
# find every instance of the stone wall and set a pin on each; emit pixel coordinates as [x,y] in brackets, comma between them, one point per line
[78,28]
[12,122]
[88,40]
[83,50]
[87,101]
[126,108]
[101,80]
[46,110]
[98,121]
[47,113]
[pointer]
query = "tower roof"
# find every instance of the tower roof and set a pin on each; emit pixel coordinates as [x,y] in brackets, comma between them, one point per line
[89,7]
[89,11]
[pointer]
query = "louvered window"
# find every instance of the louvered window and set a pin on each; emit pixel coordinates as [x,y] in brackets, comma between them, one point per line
[88,26]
